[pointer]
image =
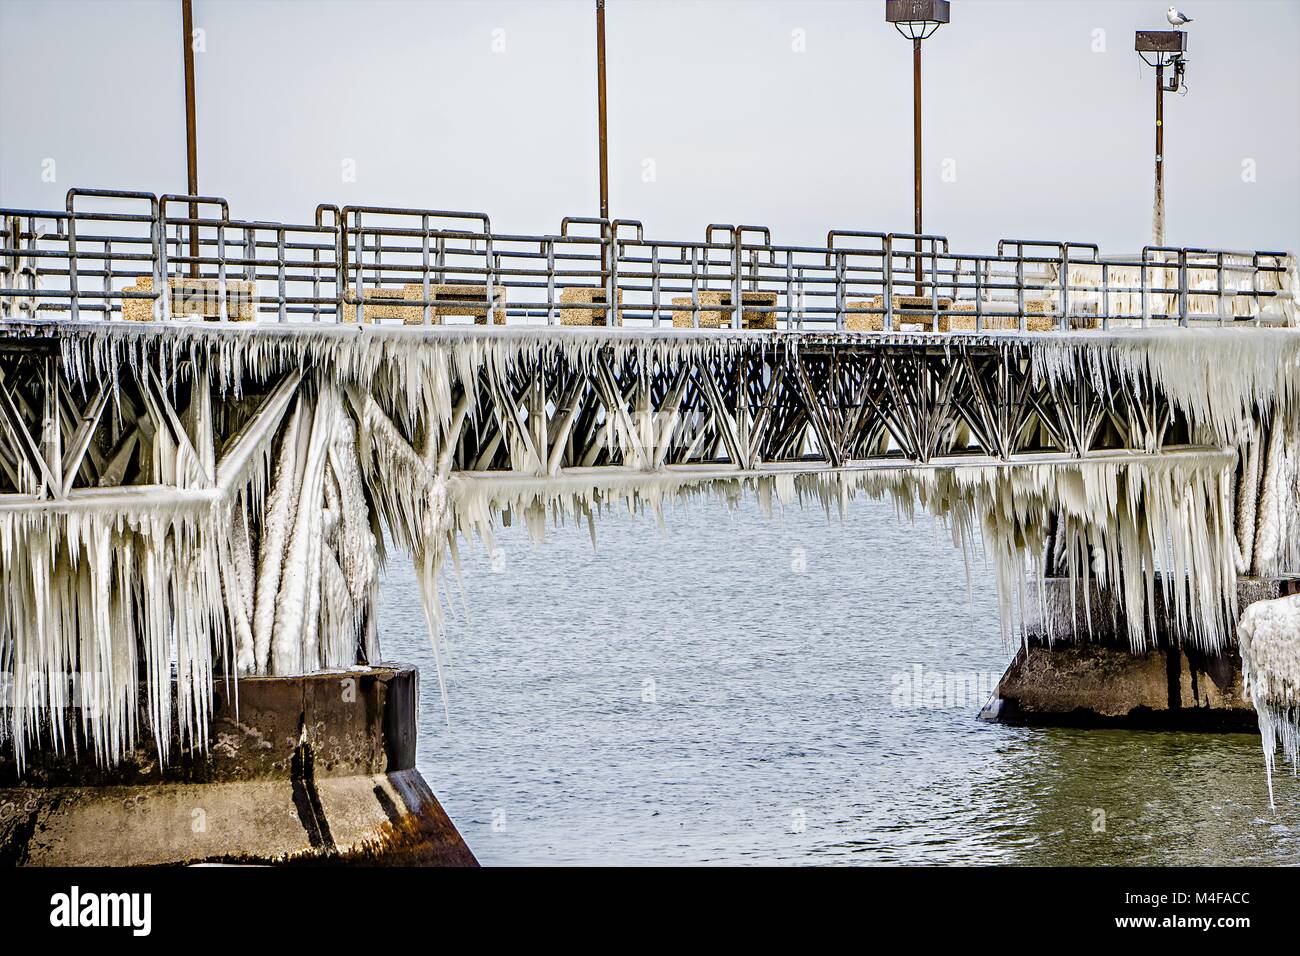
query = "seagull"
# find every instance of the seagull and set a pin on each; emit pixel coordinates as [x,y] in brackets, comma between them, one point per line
[1177,19]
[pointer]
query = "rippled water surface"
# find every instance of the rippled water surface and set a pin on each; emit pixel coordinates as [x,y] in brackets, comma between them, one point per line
[731,690]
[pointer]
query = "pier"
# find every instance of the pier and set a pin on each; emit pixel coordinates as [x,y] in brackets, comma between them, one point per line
[212,428]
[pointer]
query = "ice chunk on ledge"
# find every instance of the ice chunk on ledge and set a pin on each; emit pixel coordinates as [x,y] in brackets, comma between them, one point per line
[1269,636]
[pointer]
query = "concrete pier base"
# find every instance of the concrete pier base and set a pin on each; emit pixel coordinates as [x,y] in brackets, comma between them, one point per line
[314,769]
[1086,675]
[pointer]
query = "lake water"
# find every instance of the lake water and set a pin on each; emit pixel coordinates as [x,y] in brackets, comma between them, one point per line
[735,689]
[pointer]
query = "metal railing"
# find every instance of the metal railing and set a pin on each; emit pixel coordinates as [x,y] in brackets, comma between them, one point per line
[110,254]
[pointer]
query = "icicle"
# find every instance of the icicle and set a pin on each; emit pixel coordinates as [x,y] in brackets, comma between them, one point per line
[298,599]
[275,535]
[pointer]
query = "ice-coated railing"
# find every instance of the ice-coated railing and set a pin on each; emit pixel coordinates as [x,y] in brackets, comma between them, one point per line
[109,254]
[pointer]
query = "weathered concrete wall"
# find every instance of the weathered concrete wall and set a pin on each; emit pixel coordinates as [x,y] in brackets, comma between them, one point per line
[1094,685]
[1084,673]
[313,769]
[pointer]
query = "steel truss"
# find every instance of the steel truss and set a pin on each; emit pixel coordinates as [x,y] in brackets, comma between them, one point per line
[776,407]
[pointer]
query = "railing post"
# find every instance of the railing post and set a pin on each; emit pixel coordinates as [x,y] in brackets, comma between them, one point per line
[1065,287]
[803,302]
[1218,286]
[163,301]
[612,313]
[75,304]
[426,317]
[1105,295]
[934,285]
[488,283]
[888,279]
[1146,302]
[33,247]
[108,279]
[340,265]
[1020,286]
[250,269]
[11,231]
[695,284]
[222,296]
[249,248]
[280,273]
[789,290]
[1182,288]
[737,294]
[315,285]
[552,313]
[839,292]
[1254,289]
[655,270]
[359,281]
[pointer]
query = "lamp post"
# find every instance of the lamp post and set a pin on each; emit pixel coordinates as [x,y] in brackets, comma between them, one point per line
[603,137]
[600,109]
[1162,49]
[191,151]
[917,20]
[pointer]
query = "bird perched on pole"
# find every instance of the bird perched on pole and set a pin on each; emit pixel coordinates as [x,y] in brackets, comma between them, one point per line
[1177,19]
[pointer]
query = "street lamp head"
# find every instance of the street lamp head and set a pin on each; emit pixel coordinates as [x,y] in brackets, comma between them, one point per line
[917,19]
[1161,47]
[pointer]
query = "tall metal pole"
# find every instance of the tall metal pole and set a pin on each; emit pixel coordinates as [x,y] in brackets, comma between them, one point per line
[916,149]
[600,96]
[191,151]
[1158,214]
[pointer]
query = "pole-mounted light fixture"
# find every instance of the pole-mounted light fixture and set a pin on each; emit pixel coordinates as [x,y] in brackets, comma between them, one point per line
[602,128]
[917,20]
[1162,49]
[191,135]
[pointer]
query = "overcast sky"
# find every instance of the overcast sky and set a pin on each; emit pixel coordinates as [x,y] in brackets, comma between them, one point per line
[1038,114]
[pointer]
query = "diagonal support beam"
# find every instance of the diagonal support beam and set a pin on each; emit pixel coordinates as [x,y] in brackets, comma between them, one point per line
[155,396]
[616,405]
[816,415]
[79,444]
[257,432]
[25,444]
[723,422]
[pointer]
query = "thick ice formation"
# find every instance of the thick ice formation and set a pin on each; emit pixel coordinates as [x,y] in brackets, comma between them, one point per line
[1269,638]
[273,568]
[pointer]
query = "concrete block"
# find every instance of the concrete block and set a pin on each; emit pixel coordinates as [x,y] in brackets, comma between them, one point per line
[589,295]
[414,314]
[715,318]
[868,322]
[375,311]
[1077,669]
[1000,316]
[192,297]
[318,768]
[472,302]
[138,310]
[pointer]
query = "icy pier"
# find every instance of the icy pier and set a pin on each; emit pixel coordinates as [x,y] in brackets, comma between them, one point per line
[203,456]
[219,496]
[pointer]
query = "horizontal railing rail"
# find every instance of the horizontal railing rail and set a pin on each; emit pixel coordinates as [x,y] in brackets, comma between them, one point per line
[111,254]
